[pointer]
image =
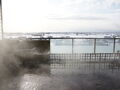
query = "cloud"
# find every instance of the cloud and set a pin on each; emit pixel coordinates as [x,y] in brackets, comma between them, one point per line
[91,5]
[68,8]
[106,11]
[62,15]
[77,18]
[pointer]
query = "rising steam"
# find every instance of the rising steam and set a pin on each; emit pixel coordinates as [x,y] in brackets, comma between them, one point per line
[16,75]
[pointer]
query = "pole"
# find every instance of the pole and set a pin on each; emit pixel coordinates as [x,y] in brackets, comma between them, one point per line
[2,32]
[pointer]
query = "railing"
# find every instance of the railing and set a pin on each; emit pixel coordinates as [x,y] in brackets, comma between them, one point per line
[85,62]
[114,44]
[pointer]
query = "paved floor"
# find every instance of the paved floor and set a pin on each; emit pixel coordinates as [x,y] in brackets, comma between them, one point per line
[71,82]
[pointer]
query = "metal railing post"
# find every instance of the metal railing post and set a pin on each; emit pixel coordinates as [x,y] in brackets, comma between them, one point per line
[114,45]
[72,46]
[95,45]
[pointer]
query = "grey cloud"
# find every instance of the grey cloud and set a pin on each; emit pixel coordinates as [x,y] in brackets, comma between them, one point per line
[94,5]
[117,25]
[77,18]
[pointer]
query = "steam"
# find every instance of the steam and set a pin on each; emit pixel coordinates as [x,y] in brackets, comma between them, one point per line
[12,55]
[9,64]
[15,76]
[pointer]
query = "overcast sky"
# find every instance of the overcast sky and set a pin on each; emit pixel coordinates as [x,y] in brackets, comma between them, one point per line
[61,15]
